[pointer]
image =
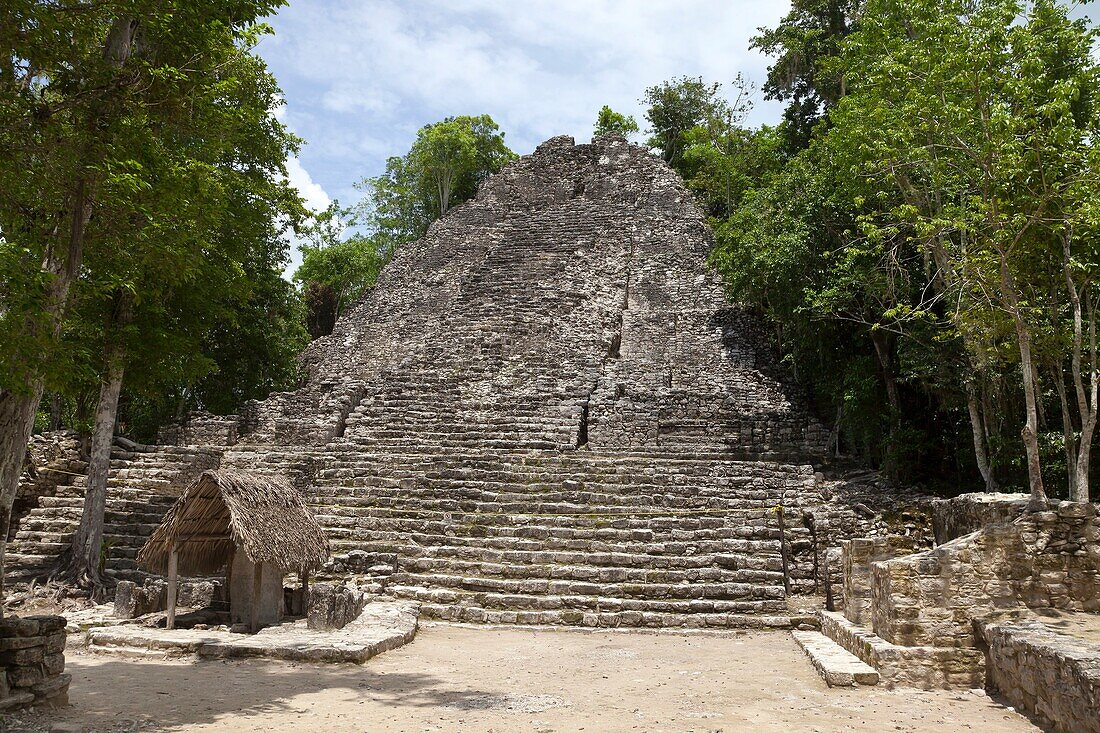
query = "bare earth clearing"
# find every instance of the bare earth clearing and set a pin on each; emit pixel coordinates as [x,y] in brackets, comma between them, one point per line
[511,680]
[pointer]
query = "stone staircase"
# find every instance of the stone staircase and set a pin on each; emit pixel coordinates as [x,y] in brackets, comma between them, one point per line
[574,538]
[546,411]
[140,489]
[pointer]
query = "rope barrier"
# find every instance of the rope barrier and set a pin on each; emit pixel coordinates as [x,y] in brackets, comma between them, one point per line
[58,470]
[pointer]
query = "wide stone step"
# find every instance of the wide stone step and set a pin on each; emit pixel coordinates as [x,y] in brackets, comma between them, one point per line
[650,553]
[536,586]
[527,602]
[715,569]
[604,619]
[838,667]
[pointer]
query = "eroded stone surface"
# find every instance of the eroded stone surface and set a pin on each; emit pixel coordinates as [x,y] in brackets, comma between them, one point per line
[1053,676]
[839,667]
[383,625]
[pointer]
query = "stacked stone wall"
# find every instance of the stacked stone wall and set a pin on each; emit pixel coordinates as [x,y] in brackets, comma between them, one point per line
[856,558]
[547,411]
[1048,559]
[32,662]
[961,515]
[1054,677]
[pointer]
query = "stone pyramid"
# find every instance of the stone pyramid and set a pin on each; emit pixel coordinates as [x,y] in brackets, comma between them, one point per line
[545,411]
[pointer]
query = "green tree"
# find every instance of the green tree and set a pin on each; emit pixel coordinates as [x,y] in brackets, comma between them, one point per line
[173,169]
[981,117]
[677,106]
[610,121]
[447,163]
[337,267]
[805,46]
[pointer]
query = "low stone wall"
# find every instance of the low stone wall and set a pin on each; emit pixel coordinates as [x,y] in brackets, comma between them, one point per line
[1047,559]
[32,662]
[133,600]
[202,428]
[856,557]
[1054,677]
[966,513]
[924,667]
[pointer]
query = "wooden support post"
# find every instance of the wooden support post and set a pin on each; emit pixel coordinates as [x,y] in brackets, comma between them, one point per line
[254,608]
[173,565]
[304,575]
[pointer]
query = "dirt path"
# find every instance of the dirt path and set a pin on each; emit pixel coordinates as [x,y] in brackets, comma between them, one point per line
[515,681]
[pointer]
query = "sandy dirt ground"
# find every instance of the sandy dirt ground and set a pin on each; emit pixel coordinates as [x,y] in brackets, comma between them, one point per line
[478,680]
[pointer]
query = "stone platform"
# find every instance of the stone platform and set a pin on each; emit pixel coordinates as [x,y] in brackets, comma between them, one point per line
[381,626]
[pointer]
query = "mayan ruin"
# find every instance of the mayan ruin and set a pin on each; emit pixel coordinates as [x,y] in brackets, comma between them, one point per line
[743,424]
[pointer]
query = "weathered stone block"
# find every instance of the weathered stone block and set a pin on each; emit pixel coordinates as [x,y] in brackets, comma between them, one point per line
[334,606]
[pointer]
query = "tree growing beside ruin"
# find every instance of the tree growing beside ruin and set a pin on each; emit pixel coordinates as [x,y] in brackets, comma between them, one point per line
[99,108]
[446,164]
[610,121]
[338,265]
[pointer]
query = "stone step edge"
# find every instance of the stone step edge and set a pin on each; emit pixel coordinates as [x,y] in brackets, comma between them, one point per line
[621,620]
[838,667]
[922,667]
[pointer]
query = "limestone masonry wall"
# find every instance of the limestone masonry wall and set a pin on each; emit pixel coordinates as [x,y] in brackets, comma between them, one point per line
[961,515]
[545,411]
[32,662]
[1047,559]
[1054,677]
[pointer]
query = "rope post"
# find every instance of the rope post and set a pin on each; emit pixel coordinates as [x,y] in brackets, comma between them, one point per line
[304,575]
[173,580]
[783,549]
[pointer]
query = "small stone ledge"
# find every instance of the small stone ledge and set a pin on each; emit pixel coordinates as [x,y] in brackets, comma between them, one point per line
[1054,677]
[923,667]
[838,666]
[382,626]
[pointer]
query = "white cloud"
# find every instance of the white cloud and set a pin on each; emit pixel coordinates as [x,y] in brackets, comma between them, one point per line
[315,198]
[361,76]
[312,192]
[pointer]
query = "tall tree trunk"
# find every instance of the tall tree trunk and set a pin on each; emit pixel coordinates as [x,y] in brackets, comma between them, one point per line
[1030,431]
[977,428]
[88,542]
[55,411]
[1087,407]
[1069,439]
[884,351]
[16,425]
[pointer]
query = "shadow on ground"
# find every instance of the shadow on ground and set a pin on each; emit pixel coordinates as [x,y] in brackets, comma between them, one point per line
[149,695]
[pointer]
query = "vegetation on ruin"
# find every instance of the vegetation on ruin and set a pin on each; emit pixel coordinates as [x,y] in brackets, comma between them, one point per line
[348,246]
[608,121]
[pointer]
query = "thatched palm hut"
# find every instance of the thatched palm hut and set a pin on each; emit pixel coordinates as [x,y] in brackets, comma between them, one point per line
[255,528]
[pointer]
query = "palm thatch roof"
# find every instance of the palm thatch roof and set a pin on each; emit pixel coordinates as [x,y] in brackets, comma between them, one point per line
[222,510]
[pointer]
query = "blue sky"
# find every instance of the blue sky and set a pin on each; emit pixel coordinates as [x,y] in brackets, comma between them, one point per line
[361,76]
